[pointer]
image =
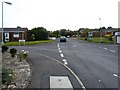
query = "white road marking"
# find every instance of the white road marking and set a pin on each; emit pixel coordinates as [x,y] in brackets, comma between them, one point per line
[115,75]
[64,60]
[58,48]
[112,50]
[60,51]
[75,75]
[58,45]
[105,49]
[60,82]
[61,55]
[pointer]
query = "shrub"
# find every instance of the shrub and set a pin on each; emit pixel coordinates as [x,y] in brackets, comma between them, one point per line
[13,52]
[108,37]
[4,48]
[22,55]
[7,76]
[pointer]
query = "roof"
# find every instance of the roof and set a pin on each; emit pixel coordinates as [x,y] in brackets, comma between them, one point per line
[18,29]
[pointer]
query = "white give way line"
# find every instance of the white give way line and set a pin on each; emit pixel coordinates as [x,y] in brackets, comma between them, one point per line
[107,49]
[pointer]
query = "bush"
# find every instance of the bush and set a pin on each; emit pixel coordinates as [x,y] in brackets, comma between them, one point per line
[4,48]
[13,51]
[7,76]
[108,37]
[22,55]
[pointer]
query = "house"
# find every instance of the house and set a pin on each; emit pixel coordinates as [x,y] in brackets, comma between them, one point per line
[104,32]
[13,34]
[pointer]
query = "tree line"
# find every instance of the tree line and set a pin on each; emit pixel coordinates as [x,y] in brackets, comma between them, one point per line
[41,33]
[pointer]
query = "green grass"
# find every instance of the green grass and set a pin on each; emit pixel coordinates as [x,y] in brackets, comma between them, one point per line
[82,38]
[98,40]
[28,43]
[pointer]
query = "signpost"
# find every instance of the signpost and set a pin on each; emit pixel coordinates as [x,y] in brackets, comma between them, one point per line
[23,41]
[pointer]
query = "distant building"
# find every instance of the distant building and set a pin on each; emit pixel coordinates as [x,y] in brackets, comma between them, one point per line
[14,34]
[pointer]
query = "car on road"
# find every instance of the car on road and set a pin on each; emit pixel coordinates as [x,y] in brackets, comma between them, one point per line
[62,39]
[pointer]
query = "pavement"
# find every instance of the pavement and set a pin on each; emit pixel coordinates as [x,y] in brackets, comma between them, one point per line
[95,65]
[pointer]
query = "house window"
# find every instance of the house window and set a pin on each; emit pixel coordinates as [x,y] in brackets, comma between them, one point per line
[16,35]
[6,36]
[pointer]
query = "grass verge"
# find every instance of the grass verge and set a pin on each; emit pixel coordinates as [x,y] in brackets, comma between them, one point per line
[98,40]
[28,43]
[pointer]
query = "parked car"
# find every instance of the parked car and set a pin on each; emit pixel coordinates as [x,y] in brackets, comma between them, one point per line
[62,39]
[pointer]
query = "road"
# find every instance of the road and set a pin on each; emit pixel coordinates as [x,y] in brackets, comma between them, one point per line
[96,65]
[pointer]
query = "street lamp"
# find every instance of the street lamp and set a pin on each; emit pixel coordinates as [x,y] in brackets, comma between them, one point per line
[9,3]
[100,31]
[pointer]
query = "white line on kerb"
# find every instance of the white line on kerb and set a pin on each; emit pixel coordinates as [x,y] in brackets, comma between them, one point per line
[112,50]
[105,48]
[61,55]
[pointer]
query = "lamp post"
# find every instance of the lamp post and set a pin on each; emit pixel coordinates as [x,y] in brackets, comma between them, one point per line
[9,3]
[100,31]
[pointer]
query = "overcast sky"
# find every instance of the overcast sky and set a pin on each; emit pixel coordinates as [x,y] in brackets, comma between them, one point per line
[60,14]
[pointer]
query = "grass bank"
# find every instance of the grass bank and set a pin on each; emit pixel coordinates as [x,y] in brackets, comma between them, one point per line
[28,42]
[97,40]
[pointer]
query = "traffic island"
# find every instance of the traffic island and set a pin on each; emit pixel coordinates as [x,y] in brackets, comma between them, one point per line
[15,73]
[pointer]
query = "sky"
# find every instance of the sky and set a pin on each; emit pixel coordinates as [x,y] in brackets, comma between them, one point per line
[60,14]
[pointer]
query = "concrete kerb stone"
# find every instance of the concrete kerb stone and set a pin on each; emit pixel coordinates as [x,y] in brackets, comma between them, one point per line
[31,71]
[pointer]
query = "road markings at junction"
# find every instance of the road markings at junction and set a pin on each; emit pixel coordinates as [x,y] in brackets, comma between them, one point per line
[61,55]
[112,50]
[58,45]
[58,48]
[60,51]
[105,49]
[60,82]
[80,82]
[115,75]
[64,60]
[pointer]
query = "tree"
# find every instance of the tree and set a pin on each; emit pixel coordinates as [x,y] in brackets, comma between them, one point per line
[40,33]
[110,27]
[103,28]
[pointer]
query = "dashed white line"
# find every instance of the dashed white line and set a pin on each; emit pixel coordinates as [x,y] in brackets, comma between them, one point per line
[75,75]
[105,49]
[58,48]
[60,51]
[64,60]
[66,63]
[61,55]
[58,45]
[115,75]
[112,50]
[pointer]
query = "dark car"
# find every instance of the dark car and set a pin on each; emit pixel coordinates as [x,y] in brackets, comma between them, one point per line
[62,39]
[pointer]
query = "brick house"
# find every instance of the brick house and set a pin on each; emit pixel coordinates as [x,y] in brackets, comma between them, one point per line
[104,32]
[14,34]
